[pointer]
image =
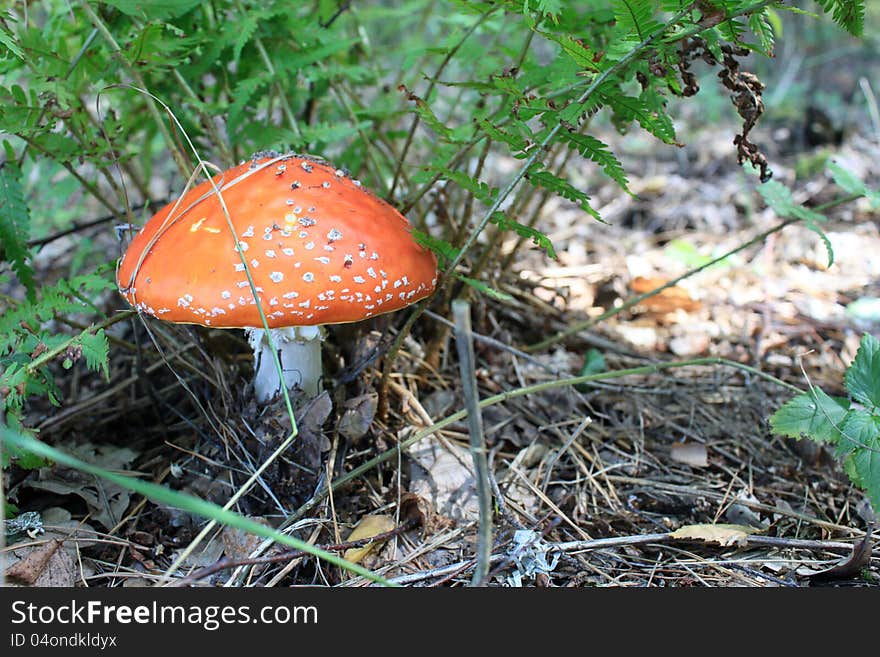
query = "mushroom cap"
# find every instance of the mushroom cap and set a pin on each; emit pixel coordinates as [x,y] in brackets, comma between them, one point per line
[319,247]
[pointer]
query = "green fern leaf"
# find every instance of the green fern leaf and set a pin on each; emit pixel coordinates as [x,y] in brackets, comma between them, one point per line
[96,350]
[849,14]
[560,186]
[540,239]
[14,226]
[601,154]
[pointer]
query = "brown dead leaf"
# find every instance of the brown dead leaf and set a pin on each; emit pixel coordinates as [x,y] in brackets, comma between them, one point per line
[107,501]
[358,416]
[724,535]
[45,565]
[367,527]
[239,544]
[692,454]
[668,301]
[442,473]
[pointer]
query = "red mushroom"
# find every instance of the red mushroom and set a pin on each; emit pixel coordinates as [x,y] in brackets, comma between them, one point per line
[320,249]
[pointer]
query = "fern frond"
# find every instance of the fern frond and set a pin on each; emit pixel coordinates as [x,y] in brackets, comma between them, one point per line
[14,225]
[849,14]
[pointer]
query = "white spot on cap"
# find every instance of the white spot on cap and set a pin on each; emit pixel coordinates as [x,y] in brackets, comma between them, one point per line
[276,277]
[306,167]
[305,304]
[334,235]
[249,232]
[310,246]
[336,279]
[371,272]
[225,294]
[290,295]
[326,184]
[308,277]
[287,251]
[340,173]
[255,263]
[359,279]
[270,253]
[273,301]
[239,266]
[324,260]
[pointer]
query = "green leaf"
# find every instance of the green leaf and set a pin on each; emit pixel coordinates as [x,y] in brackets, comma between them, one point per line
[154,9]
[861,439]
[178,500]
[761,28]
[96,350]
[8,40]
[846,180]
[780,200]
[540,239]
[441,247]
[599,152]
[849,14]
[862,378]
[560,186]
[814,415]
[483,288]
[14,226]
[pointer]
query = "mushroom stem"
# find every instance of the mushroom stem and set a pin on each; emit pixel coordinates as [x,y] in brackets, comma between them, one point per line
[299,350]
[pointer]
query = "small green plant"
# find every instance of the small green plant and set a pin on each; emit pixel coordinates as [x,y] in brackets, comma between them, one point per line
[851,424]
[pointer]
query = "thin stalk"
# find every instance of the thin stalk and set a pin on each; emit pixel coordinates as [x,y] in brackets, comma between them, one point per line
[461,311]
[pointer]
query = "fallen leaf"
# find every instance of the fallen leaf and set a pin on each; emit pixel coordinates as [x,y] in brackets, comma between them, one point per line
[367,527]
[106,501]
[667,301]
[239,544]
[44,565]
[442,473]
[692,454]
[357,416]
[724,535]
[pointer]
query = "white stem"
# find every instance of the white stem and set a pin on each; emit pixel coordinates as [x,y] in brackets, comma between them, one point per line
[299,350]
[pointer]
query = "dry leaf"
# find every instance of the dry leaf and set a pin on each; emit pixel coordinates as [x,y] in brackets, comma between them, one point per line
[692,454]
[724,535]
[358,416]
[107,502]
[442,473]
[45,565]
[367,527]
[239,544]
[669,300]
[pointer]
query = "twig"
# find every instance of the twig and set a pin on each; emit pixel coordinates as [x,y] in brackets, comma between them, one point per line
[461,310]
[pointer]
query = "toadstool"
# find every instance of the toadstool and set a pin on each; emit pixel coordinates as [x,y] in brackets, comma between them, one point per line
[320,249]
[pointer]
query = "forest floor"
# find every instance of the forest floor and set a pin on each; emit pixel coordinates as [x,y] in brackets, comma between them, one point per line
[591,483]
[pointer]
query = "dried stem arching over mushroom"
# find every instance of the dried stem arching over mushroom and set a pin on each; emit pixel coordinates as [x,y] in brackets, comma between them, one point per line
[319,248]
